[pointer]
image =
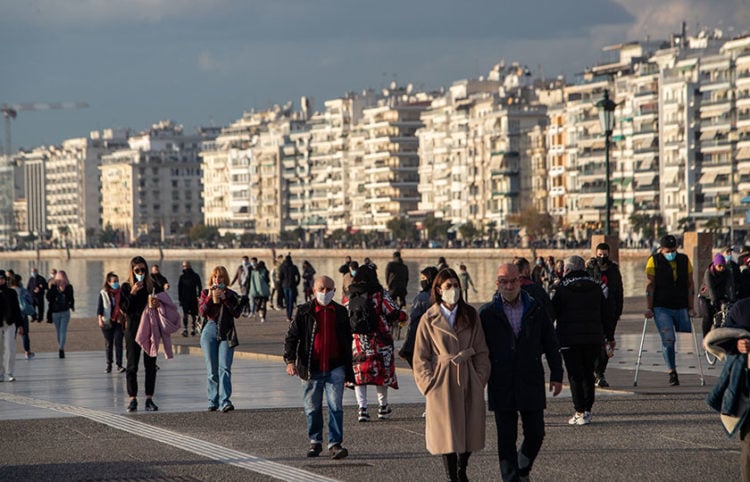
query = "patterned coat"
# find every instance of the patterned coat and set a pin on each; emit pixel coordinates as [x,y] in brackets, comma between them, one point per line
[372,354]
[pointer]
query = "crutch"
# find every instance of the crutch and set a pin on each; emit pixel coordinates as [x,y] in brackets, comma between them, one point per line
[640,352]
[697,352]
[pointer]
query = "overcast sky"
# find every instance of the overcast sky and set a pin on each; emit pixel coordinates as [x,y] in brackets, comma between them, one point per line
[204,62]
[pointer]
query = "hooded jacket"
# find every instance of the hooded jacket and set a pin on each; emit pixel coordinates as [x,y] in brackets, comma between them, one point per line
[584,315]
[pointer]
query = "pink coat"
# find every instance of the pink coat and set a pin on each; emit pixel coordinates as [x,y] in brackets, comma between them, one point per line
[157,325]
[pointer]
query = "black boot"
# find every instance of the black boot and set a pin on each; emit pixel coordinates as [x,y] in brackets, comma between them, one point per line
[450,462]
[463,462]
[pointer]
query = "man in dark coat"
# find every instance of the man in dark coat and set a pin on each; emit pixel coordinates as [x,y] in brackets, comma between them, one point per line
[37,286]
[583,323]
[534,289]
[188,291]
[518,331]
[318,350]
[606,272]
[289,277]
[397,279]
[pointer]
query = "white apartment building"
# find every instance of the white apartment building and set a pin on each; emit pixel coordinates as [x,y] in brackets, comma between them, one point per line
[152,190]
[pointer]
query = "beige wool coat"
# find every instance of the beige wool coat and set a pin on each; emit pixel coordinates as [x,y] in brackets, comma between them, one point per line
[451,369]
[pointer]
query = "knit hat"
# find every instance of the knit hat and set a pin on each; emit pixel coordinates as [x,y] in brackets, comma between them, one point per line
[719,259]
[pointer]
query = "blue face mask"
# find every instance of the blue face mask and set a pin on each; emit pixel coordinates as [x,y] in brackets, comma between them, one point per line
[115,285]
[671,256]
[728,258]
[354,273]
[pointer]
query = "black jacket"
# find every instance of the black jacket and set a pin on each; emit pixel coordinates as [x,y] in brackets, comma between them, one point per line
[583,314]
[10,309]
[289,275]
[66,298]
[40,282]
[612,279]
[396,275]
[517,374]
[189,289]
[133,305]
[299,339]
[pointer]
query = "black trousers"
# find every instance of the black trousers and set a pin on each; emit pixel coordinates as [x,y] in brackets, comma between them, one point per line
[133,355]
[600,364]
[113,340]
[579,363]
[39,305]
[517,463]
[189,311]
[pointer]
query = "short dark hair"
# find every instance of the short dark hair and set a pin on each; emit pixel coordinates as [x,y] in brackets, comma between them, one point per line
[603,246]
[668,241]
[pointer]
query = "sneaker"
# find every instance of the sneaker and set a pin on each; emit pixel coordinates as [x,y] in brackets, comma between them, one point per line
[579,419]
[29,355]
[133,405]
[586,418]
[314,450]
[338,452]
[120,369]
[227,408]
[213,408]
[601,382]
[108,369]
[384,411]
[184,333]
[61,353]
[151,406]
[192,333]
[673,380]
[363,415]
[11,378]
[262,319]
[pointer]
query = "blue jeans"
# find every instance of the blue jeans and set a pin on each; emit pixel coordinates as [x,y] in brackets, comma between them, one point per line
[333,383]
[61,320]
[218,355]
[666,320]
[25,336]
[289,299]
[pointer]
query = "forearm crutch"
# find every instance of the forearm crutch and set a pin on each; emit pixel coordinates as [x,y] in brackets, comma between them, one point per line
[640,352]
[697,352]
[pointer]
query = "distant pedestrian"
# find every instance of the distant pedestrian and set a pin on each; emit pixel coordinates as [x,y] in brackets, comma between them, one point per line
[372,351]
[220,306]
[134,299]
[465,278]
[717,290]
[518,332]
[606,272]
[276,288]
[289,277]
[532,288]
[110,319]
[159,278]
[260,289]
[52,274]
[670,295]
[37,286]
[583,324]
[318,350]
[308,278]
[188,291]
[26,305]
[61,302]
[441,264]
[419,307]
[348,277]
[734,269]
[451,369]
[397,279]
[10,324]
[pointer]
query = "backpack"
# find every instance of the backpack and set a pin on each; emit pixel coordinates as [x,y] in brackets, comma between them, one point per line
[362,316]
[25,302]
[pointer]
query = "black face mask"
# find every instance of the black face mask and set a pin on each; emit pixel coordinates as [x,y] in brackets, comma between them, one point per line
[424,284]
[602,260]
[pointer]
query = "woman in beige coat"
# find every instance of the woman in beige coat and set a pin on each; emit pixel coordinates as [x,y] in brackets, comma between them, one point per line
[451,369]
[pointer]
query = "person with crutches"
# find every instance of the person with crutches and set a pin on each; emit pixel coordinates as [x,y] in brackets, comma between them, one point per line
[670,295]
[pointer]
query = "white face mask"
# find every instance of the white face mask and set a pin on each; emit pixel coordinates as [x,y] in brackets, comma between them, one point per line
[139,277]
[451,296]
[324,298]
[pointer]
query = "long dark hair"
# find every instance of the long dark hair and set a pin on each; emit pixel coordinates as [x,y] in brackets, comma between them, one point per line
[147,275]
[465,311]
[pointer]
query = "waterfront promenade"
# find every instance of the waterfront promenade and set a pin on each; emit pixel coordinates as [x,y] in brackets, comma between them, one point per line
[65,420]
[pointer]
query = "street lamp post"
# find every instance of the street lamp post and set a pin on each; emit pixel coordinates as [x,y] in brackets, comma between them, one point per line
[607,121]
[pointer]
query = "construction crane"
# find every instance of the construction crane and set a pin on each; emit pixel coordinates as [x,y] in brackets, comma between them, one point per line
[10,112]
[7,167]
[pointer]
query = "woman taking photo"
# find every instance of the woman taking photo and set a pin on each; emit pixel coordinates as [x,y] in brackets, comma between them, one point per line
[451,368]
[61,303]
[134,298]
[220,306]
[108,313]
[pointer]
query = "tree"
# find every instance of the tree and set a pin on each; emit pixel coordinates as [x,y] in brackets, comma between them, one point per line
[108,235]
[468,231]
[201,232]
[64,232]
[714,224]
[537,224]
[402,228]
[686,224]
[436,228]
[649,225]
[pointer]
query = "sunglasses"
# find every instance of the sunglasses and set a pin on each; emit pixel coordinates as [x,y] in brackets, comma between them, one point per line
[139,271]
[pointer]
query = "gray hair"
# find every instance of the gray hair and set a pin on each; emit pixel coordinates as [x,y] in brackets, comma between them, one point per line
[574,263]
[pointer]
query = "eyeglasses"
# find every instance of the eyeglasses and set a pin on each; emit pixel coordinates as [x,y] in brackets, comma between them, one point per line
[507,281]
[139,270]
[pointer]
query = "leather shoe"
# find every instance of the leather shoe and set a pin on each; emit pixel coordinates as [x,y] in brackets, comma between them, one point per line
[314,450]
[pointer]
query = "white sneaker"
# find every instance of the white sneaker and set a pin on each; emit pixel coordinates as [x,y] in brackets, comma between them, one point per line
[580,419]
[11,378]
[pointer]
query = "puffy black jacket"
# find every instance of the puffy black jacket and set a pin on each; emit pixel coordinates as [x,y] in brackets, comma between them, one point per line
[517,373]
[583,314]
